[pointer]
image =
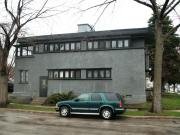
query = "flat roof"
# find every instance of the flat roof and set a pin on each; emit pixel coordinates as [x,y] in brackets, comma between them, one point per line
[84,35]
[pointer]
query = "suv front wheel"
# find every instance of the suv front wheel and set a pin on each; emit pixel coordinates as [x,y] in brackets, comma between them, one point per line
[106,113]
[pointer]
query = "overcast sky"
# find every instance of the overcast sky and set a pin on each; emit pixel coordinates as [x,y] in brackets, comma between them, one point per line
[119,15]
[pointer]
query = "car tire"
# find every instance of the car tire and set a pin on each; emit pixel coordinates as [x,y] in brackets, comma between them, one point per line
[106,113]
[64,111]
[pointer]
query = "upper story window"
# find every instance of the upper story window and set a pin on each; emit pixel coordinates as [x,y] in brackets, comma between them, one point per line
[114,44]
[51,47]
[90,45]
[72,46]
[24,51]
[95,45]
[78,46]
[56,47]
[120,43]
[61,46]
[67,48]
[126,43]
[108,44]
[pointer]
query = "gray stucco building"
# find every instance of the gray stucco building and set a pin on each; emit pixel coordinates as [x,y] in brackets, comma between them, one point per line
[111,60]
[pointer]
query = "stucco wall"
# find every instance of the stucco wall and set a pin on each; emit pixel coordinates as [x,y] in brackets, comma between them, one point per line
[128,72]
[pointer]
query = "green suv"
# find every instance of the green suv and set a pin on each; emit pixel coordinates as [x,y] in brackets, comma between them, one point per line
[105,104]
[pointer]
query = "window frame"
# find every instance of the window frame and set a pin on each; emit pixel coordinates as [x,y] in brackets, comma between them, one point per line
[24,76]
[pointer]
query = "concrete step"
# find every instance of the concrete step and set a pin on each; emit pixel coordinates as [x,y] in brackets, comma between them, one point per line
[38,101]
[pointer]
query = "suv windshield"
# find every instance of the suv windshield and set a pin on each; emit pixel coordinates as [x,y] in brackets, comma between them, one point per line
[112,97]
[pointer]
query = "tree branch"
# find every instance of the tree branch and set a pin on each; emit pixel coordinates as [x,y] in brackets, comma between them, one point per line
[6,7]
[144,3]
[173,30]
[164,8]
[171,8]
[104,3]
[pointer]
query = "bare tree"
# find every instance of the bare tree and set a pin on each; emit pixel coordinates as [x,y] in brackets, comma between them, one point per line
[19,17]
[161,11]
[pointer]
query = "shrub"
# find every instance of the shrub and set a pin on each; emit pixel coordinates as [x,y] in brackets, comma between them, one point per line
[53,99]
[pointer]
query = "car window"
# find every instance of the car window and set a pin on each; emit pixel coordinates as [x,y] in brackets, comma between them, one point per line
[111,97]
[83,97]
[96,97]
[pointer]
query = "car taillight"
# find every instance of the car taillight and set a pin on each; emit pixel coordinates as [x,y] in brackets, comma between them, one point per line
[120,104]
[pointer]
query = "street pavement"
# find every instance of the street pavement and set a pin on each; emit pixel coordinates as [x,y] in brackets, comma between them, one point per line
[25,123]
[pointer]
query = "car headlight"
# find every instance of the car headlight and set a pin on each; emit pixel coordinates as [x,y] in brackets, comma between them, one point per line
[56,105]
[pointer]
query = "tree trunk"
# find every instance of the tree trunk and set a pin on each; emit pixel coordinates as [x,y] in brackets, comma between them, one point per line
[3,79]
[174,88]
[156,104]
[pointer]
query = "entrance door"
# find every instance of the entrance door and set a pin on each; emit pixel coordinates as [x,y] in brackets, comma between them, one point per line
[43,86]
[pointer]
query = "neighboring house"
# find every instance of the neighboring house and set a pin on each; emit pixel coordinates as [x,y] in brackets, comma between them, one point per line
[112,60]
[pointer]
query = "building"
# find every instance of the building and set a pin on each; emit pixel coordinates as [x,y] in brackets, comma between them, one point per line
[112,60]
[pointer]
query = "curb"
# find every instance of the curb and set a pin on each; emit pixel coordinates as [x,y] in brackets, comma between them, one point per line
[151,117]
[123,116]
[30,111]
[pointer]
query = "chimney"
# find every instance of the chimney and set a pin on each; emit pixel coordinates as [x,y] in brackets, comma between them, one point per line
[85,28]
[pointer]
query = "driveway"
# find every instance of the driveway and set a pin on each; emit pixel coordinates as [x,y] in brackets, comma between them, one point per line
[23,123]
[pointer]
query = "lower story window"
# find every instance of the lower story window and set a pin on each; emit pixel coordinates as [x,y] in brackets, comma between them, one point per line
[23,76]
[75,74]
[102,73]
[64,74]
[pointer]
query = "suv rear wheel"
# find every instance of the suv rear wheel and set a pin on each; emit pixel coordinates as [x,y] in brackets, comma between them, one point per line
[106,113]
[64,111]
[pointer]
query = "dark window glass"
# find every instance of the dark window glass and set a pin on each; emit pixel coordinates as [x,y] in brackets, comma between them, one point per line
[51,47]
[41,48]
[101,45]
[108,73]
[72,74]
[95,44]
[61,47]
[95,75]
[89,73]
[90,45]
[101,74]
[114,44]
[66,74]
[50,74]
[78,73]
[45,48]
[61,74]
[108,44]
[56,75]
[126,43]
[96,97]
[23,76]
[56,47]
[24,51]
[78,46]
[67,46]
[36,49]
[30,50]
[18,51]
[111,97]
[120,43]
[72,46]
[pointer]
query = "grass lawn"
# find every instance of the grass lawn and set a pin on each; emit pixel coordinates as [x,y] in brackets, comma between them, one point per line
[31,107]
[146,113]
[169,102]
